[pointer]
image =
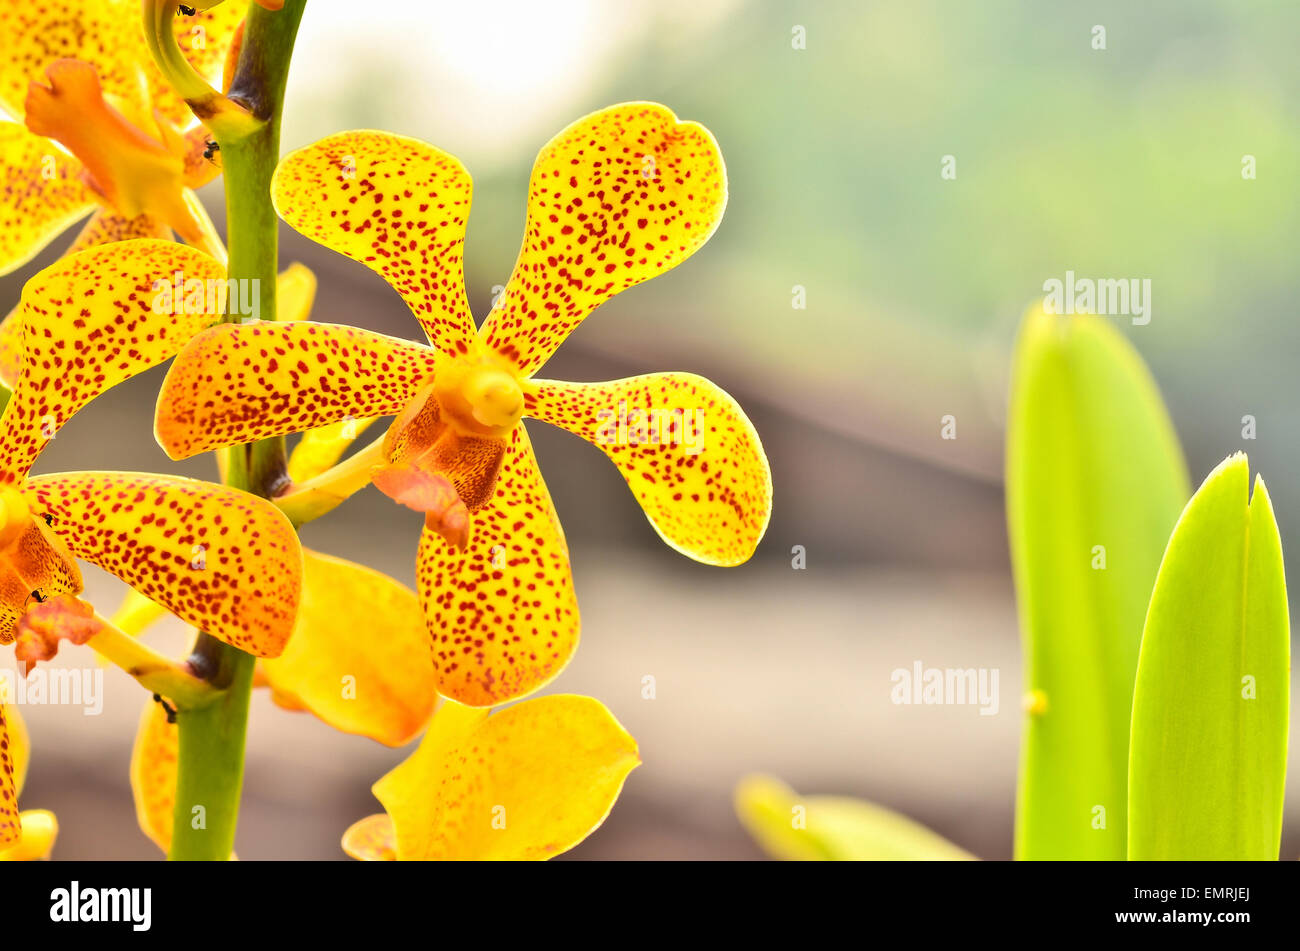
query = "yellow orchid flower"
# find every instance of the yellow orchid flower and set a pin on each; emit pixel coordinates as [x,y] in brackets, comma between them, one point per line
[219,558]
[129,149]
[528,782]
[37,828]
[833,828]
[616,198]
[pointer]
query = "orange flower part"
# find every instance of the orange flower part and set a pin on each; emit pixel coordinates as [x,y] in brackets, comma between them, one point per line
[64,617]
[108,38]
[133,172]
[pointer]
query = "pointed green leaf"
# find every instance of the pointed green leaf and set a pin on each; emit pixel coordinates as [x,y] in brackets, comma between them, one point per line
[1208,753]
[831,828]
[1095,481]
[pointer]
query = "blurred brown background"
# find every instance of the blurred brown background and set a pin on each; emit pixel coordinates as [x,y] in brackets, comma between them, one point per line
[1122,162]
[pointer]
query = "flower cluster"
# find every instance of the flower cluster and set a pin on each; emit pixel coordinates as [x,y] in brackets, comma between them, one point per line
[615,199]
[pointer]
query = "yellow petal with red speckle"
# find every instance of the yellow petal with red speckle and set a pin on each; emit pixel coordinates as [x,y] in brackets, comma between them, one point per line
[108,34]
[41,195]
[199,168]
[13,768]
[527,782]
[237,383]
[107,227]
[396,205]
[93,320]
[153,773]
[223,560]
[40,829]
[618,197]
[686,449]
[359,655]
[104,227]
[502,612]
[372,839]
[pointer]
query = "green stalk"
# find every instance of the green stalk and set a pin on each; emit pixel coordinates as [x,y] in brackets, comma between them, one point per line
[210,767]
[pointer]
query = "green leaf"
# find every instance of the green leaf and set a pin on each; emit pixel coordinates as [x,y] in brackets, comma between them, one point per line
[831,828]
[1208,756]
[1095,482]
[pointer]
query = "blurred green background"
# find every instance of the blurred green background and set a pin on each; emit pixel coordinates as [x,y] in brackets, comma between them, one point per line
[1117,163]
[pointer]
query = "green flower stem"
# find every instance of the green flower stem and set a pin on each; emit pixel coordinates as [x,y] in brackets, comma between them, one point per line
[210,768]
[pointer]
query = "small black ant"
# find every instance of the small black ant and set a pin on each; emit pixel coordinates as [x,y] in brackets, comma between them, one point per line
[40,598]
[188,11]
[211,149]
[49,519]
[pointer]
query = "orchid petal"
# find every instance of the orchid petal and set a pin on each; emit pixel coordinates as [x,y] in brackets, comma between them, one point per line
[359,655]
[686,449]
[42,194]
[396,205]
[153,773]
[527,782]
[221,559]
[502,612]
[237,383]
[618,197]
[92,321]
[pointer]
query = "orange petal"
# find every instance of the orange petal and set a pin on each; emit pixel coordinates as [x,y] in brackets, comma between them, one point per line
[359,655]
[528,782]
[420,438]
[135,171]
[686,449]
[153,773]
[618,197]
[396,205]
[46,623]
[41,194]
[237,383]
[502,613]
[372,839]
[223,560]
[94,320]
[427,492]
